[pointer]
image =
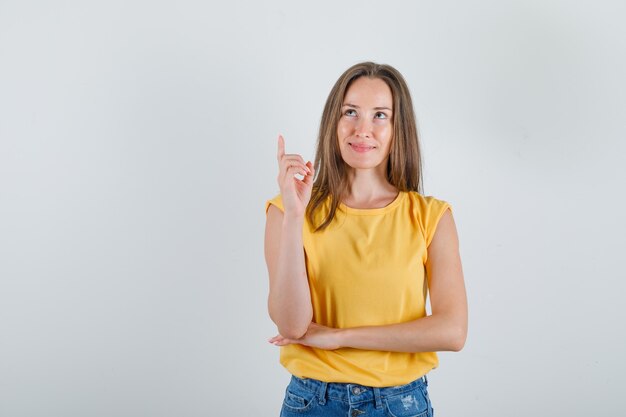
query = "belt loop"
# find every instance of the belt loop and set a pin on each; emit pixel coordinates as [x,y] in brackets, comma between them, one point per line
[379,403]
[425,380]
[322,392]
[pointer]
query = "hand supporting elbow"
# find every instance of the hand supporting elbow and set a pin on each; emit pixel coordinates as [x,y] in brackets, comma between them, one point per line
[294,332]
[292,325]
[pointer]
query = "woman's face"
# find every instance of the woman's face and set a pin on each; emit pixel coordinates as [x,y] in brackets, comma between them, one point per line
[365,128]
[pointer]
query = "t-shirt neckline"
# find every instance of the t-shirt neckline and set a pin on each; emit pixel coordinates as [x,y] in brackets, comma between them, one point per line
[373,211]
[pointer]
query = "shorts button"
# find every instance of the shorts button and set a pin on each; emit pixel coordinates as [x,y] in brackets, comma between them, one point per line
[356,391]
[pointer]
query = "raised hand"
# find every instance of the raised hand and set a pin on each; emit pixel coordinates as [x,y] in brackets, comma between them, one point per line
[295,193]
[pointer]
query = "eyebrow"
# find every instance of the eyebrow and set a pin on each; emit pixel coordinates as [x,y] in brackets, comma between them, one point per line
[357,107]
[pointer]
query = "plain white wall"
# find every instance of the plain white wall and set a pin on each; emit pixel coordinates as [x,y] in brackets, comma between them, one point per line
[137,149]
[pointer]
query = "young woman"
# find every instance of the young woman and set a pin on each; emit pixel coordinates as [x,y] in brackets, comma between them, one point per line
[351,253]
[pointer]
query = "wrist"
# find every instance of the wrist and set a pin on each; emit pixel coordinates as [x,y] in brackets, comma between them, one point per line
[290,219]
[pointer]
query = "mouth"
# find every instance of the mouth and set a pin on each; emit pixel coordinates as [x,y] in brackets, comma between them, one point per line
[361,147]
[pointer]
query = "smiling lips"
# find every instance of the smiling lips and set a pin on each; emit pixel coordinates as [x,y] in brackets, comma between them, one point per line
[361,147]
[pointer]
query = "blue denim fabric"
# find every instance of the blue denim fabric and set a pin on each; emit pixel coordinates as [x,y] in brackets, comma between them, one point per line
[310,397]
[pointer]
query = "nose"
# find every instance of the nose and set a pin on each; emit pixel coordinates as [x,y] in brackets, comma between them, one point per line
[363,128]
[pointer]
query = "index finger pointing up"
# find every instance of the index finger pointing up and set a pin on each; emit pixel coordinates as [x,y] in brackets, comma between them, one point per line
[281,147]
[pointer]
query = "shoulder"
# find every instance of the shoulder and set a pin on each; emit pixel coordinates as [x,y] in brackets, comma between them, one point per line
[428,210]
[277,201]
[427,203]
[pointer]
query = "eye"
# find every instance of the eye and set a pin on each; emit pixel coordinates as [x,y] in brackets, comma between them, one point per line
[380,115]
[350,112]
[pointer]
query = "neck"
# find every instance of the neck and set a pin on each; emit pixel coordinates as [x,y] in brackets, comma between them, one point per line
[368,185]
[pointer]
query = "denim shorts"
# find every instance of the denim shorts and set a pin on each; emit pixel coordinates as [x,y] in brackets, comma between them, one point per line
[310,397]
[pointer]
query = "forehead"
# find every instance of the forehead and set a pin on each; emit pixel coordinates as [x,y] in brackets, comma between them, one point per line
[369,92]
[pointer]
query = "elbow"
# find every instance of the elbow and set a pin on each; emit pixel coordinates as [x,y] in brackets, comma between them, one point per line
[292,332]
[458,336]
[290,327]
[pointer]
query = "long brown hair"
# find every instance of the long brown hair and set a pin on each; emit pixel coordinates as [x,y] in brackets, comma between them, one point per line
[404,168]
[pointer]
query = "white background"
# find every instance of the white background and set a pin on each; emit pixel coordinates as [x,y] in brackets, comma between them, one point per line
[137,149]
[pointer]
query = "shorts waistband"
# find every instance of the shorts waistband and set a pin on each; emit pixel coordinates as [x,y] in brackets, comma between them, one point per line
[354,393]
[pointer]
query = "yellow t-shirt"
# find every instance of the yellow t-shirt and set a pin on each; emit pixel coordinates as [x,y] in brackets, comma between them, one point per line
[366,269]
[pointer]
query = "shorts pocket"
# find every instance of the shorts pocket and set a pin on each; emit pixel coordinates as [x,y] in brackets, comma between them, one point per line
[298,400]
[412,403]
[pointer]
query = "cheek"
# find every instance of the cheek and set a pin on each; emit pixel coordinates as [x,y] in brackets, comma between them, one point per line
[385,132]
[342,129]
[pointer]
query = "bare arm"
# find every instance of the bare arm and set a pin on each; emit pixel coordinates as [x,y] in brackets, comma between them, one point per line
[289,300]
[444,330]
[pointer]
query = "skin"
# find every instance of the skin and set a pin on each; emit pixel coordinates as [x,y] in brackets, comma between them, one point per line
[366,118]
[367,113]
[289,300]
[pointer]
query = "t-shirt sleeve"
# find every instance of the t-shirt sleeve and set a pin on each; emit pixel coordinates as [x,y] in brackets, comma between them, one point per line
[277,201]
[433,210]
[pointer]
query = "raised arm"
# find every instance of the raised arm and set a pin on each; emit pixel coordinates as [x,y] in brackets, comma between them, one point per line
[289,300]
